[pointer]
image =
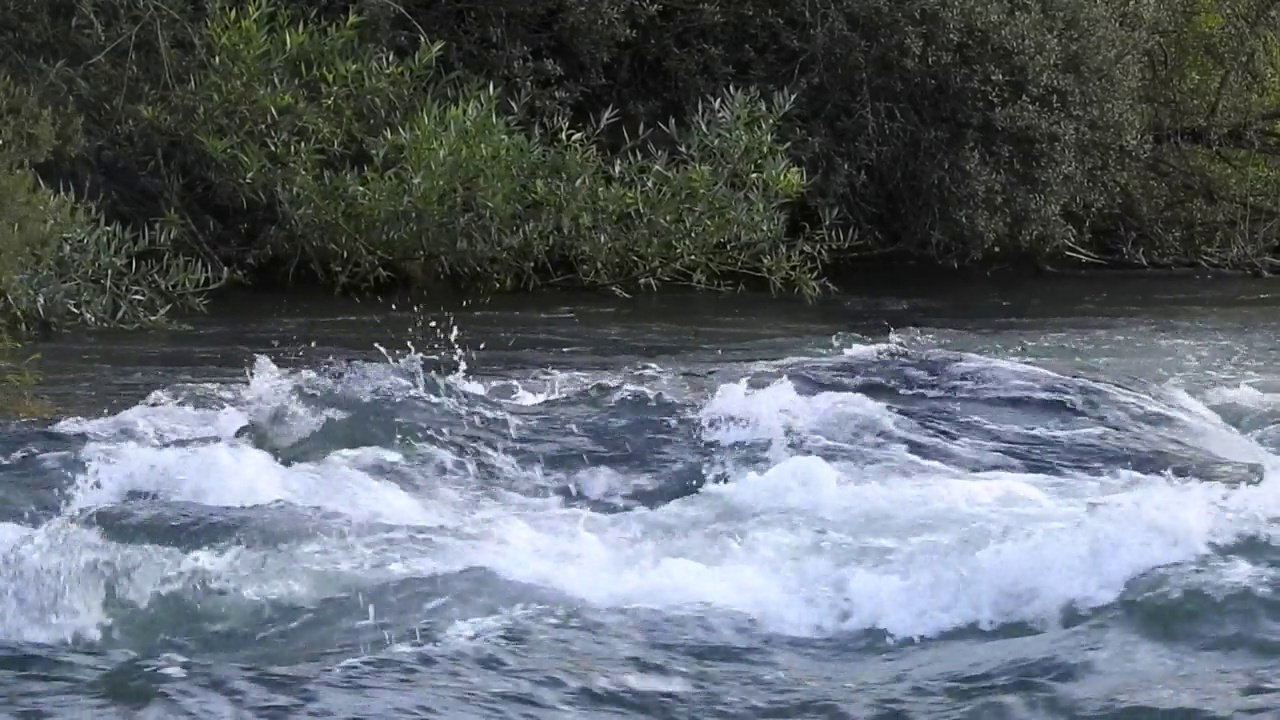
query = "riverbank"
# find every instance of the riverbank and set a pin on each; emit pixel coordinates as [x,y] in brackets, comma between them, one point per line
[868,299]
[310,327]
[269,142]
[617,149]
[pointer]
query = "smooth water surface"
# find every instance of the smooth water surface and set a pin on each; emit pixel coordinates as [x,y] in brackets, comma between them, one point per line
[1053,501]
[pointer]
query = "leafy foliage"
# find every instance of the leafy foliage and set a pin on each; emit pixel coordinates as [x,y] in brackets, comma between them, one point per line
[956,131]
[60,262]
[1214,101]
[375,167]
[619,144]
[18,381]
[152,149]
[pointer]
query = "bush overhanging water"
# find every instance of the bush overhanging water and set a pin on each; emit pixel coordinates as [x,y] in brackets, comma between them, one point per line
[152,149]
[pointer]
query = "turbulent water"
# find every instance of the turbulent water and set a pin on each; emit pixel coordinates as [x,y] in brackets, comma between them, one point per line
[1039,517]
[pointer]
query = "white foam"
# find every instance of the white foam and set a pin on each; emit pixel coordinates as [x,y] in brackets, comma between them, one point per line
[808,546]
[802,544]
[54,582]
[159,424]
[11,533]
[647,683]
[237,475]
[1243,395]
[1209,431]
[803,550]
[737,413]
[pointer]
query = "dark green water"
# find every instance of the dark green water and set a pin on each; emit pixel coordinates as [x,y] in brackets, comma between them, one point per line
[1054,501]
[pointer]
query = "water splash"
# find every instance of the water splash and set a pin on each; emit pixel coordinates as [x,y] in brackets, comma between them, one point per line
[887,488]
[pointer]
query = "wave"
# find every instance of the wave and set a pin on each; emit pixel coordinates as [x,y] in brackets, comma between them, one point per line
[880,489]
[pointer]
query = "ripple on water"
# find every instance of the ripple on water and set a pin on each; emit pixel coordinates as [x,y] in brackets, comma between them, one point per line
[883,532]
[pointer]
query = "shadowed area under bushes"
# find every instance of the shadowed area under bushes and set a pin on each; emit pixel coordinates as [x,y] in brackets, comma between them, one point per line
[622,146]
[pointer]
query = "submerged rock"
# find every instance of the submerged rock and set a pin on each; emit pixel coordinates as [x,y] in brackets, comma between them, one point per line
[1227,472]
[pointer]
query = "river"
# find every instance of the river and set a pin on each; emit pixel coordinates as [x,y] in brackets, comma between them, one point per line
[1044,500]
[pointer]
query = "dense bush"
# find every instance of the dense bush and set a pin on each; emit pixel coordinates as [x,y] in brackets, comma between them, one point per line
[150,149]
[60,261]
[373,166]
[1214,108]
[953,130]
[18,380]
[504,143]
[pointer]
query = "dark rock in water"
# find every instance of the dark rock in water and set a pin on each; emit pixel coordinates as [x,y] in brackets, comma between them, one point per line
[146,519]
[1227,472]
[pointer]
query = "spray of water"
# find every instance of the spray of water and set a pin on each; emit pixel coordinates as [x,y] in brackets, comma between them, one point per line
[821,510]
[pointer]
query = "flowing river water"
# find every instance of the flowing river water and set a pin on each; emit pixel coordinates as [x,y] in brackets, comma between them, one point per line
[1058,500]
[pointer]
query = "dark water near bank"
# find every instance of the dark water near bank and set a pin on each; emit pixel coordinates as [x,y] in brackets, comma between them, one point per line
[1055,501]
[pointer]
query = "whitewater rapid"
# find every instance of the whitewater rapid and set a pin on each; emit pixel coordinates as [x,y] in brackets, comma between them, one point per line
[822,504]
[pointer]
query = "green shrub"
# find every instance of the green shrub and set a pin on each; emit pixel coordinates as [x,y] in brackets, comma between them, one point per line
[957,130]
[1213,94]
[376,167]
[60,262]
[953,130]
[18,381]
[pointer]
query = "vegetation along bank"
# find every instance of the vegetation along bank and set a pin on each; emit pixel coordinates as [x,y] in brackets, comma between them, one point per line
[154,150]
